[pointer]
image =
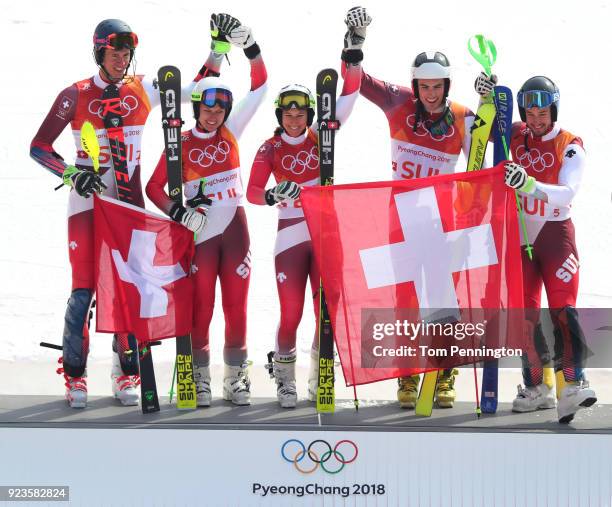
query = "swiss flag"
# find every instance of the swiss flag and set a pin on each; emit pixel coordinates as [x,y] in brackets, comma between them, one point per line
[142,272]
[439,250]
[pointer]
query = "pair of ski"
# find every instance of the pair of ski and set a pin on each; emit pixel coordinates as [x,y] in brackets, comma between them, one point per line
[170,93]
[494,116]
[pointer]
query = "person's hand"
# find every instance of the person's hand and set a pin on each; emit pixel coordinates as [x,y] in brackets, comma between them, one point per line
[84,182]
[281,192]
[516,177]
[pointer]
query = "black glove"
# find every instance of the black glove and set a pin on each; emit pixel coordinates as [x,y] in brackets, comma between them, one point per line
[84,182]
[225,23]
[284,190]
[194,220]
[199,199]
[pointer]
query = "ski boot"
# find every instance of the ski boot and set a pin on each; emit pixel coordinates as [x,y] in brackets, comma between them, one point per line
[532,398]
[76,387]
[408,391]
[236,384]
[125,387]
[201,377]
[445,389]
[574,396]
[282,370]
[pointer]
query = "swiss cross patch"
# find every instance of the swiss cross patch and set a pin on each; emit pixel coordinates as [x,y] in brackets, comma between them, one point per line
[64,106]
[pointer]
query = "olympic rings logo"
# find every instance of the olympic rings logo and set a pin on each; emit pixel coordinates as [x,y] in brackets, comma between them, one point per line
[212,153]
[302,161]
[326,453]
[422,129]
[534,159]
[128,104]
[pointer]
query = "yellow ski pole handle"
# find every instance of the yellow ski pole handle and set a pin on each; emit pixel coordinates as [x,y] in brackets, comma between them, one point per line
[90,145]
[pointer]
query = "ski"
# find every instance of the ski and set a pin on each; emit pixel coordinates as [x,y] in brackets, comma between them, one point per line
[327,82]
[113,123]
[425,401]
[481,131]
[169,82]
[502,98]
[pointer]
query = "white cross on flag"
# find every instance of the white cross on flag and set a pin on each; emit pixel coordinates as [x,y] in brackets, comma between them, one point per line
[435,245]
[142,268]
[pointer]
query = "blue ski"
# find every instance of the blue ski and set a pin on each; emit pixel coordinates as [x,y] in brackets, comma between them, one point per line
[501,141]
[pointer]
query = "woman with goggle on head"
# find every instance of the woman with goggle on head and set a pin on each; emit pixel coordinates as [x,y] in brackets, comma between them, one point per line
[114,47]
[547,171]
[291,156]
[213,188]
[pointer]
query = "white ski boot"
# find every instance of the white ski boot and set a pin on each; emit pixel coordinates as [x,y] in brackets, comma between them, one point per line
[313,377]
[282,370]
[236,384]
[574,396]
[125,387]
[76,388]
[532,398]
[201,377]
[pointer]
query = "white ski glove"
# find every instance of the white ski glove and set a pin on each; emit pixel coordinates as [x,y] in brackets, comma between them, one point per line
[281,192]
[241,37]
[194,220]
[357,20]
[484,84]
[516,177]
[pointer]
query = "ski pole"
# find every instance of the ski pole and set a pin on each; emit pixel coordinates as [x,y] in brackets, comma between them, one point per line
[171,392]
[486,55]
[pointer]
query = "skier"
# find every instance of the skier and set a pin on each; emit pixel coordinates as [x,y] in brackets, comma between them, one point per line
[292,156]
[114,46]
[547,171]
[212,177]
[428,133]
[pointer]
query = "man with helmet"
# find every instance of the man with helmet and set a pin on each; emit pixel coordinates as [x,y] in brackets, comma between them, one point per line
[212,177]
[114,45]
[428,133]
[547,171]
[291,155]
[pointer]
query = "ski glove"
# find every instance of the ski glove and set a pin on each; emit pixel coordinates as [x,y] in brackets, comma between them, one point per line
[484,84]
[241,37]
[199,199]
[219,43]
[357,20]
[281,192]
[194,220]
[84,182]
[516,177]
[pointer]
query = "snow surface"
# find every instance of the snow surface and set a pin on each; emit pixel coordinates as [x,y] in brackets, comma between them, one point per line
[47,46]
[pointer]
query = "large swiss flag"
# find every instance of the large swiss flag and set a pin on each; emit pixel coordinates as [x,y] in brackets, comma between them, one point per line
[142,272]
[442,250]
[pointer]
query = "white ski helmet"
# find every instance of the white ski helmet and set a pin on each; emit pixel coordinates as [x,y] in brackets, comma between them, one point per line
[211,91]
[295,96]
[430,65]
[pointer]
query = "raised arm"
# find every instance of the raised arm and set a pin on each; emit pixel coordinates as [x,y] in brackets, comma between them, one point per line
[241,36]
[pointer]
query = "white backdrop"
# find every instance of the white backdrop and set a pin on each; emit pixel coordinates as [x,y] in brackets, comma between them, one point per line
[47,46]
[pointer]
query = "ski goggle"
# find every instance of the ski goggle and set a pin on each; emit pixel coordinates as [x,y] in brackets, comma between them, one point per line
[126,40]
[536,98]
[213,96]
[294,99]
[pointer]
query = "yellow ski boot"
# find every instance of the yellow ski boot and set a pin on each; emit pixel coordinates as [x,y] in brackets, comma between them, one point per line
[445,388]
[408,391]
